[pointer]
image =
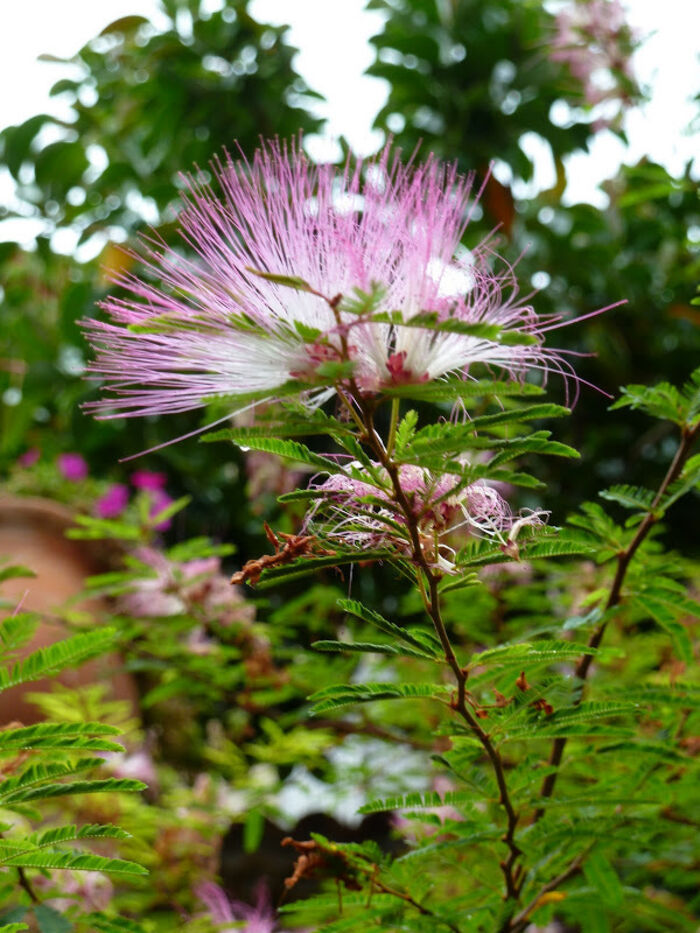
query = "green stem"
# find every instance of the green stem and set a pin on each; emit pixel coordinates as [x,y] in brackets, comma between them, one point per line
[395,405]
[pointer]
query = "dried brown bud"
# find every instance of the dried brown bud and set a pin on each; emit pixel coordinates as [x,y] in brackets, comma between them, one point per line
[500,699]
[521,683]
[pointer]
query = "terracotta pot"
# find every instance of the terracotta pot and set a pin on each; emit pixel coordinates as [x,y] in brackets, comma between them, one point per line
[32,533]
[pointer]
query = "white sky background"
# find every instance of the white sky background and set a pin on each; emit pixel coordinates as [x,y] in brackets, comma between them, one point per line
[332,38]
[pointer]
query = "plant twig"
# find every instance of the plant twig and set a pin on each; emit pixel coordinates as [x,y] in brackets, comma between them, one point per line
[25,883]
[425,911]
[624,558]
[522,919]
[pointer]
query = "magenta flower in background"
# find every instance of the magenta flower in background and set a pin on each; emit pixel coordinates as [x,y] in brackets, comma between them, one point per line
[220,329]
[146,479]
[113,502]
[72,467]
[29,457]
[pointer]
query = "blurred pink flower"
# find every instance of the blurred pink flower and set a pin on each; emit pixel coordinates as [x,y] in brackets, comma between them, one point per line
[72,467]
[137,766]
[90,889]
[113,502]
[29,457]
[594,41]
[146,479]
[260,918]
[192,586]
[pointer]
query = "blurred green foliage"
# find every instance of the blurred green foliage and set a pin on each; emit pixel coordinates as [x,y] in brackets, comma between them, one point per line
[147,105]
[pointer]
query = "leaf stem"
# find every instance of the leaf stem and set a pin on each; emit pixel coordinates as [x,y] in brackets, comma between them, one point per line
[395,406]
[522,919]
[424,911]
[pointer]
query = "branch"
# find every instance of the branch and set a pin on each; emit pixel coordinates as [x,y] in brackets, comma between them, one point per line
[24,883]
[432,605]
[414,903]
[688,438]
[521,920]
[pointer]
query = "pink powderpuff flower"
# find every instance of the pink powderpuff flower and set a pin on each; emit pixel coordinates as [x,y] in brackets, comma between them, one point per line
[260,918]
[359,514]
[72,467]
[113,502]
[215,326]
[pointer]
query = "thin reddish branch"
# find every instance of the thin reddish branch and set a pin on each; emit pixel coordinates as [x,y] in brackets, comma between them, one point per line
[688,438]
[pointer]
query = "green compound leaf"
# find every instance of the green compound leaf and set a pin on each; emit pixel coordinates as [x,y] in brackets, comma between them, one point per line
[74,736]
[582,720]
[343,694]
[664,613]
[124,785]
[603,878]
[631,497]
[101,923]
[41,773]
[530,653]
[70,652]
[73,861]
[418,801]
[361,647]
[288,450]
[425,643]
[273,576]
